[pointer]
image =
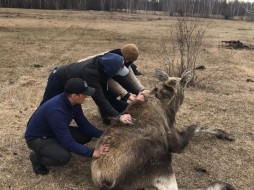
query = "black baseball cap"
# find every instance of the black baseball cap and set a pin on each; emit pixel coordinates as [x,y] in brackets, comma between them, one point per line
[78,86]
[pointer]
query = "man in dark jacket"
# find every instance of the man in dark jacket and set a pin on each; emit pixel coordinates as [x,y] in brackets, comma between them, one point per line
[96,72]
[48,132]
[122,90]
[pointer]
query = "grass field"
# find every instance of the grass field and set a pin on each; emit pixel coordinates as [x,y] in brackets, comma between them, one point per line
[33,42]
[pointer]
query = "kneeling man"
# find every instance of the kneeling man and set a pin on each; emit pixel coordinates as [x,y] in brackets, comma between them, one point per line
[49,135]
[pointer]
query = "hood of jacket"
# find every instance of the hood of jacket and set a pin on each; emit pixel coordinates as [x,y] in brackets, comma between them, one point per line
[111,64]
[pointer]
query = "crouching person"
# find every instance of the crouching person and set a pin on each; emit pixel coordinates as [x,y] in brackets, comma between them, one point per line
[49,135]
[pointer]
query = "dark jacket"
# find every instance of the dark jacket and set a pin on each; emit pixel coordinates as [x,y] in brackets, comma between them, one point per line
[92,72]
[53,118]
[96,73]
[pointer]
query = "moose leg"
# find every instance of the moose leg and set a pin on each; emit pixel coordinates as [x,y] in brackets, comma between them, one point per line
[165,182]
[179,140]
[157,174]
[220,134]
[218,185]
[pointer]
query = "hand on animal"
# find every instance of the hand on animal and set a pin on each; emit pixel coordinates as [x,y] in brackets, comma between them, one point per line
[140,97]
[103,149]
[126,118]
[145,92]
[132,98]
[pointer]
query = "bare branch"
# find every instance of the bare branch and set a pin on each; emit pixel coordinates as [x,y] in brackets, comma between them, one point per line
[248,10]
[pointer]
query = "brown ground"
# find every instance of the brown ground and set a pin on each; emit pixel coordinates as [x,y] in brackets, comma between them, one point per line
[34,42]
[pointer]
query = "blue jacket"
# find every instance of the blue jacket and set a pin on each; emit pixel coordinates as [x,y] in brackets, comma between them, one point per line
[53,118]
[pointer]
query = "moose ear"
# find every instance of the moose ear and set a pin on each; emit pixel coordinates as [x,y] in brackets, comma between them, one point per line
[161,75]
[187,76]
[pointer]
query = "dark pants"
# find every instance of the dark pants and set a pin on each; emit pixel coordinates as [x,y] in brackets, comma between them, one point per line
[50,152]
[53,87]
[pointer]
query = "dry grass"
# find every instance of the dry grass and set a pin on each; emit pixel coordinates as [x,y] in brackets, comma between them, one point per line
[33,42]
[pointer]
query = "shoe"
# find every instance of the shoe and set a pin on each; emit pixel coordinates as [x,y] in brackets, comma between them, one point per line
[135,70]
[37,167]
[137,73]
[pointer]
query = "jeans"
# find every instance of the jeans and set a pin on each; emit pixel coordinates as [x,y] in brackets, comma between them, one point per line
[50,152]
[53,87]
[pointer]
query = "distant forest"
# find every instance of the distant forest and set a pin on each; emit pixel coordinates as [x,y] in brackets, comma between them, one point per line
[201,8]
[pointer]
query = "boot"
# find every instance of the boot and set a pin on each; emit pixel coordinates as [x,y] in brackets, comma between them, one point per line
[135,70]
[37,167]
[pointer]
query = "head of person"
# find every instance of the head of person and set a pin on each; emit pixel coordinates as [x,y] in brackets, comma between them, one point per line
[113,64]
[130,53]
[76,89]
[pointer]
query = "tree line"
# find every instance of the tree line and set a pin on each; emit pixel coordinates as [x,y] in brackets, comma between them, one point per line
[200,8]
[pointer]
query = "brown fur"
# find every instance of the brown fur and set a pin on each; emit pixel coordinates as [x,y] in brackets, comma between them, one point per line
[141,153]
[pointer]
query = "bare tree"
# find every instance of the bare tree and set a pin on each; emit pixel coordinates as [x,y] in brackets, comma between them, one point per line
[186,40]
[193,8]
[210,7]
[249,11]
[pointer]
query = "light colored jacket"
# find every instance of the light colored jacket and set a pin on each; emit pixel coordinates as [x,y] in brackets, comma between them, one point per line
[119,90]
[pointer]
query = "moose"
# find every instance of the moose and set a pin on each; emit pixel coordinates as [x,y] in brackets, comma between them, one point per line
[140,154]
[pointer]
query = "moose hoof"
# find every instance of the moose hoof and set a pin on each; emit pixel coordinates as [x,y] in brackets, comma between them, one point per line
[224,136]
[220,186]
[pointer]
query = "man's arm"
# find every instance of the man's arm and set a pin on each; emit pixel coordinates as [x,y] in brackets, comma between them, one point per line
[129,82]
[60,127]
[116,88]
[135,80]
[106,109]
[84,125]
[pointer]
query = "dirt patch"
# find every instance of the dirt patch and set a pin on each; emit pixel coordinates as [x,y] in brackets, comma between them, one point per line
[236,44]
[249,80]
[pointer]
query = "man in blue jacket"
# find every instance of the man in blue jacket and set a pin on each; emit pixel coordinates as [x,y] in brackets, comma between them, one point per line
[96,72]
[49,135]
